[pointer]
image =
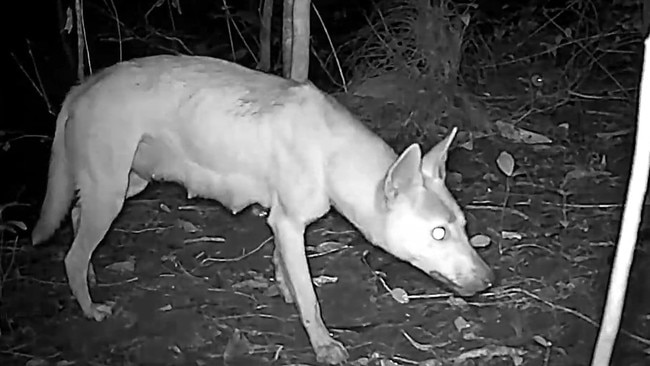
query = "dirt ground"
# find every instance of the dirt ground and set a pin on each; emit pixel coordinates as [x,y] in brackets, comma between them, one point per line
[192,284]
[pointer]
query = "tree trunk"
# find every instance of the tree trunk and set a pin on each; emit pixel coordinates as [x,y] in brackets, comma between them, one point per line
[81,44]
[287,37]
[300,49]
[67,50]
[265,36]
[646,18]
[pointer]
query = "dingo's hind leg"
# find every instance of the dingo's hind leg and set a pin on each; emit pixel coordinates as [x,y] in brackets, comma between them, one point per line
[136,185]
[99,203]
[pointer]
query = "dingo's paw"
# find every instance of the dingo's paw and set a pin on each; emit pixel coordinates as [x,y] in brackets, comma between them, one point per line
[331,352]
[99,311]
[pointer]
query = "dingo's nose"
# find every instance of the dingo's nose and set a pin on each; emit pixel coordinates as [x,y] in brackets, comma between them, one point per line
[478,281]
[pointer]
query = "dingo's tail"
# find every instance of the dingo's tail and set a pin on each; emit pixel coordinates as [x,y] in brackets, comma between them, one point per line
[60,185]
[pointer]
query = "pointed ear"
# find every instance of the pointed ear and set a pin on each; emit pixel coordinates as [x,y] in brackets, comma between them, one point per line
[433,163]
[404,173]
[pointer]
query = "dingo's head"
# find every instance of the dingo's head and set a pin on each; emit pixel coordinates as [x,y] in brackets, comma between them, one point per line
[425,226]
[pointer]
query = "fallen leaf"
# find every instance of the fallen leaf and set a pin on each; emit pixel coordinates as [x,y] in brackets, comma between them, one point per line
[272,291]
[254,283]
[323,280]
[610,135]
[465,19]
[187,226]
[576,174]
[460,323]
[127,266]
[468,335]
[238,345]
[458,302]
[37,362]
[581,258]
[165,208]
[18,224]
[506,163]
[547,293]
[520,135]
[328,246]
[490,177]
[488,352]
[542,341]
[69,20]
[431,362]
[480,241]
[468,145]
[511,235]
[400,295]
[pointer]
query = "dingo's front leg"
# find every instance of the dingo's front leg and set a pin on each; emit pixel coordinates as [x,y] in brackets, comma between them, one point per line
[291,264]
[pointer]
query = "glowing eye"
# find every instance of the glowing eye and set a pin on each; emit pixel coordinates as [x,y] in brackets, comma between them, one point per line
[439,233]
[537,80]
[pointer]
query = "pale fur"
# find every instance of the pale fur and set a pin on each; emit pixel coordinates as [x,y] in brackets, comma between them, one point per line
[241,137]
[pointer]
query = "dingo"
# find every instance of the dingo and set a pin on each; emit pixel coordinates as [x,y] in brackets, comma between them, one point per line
[241,137]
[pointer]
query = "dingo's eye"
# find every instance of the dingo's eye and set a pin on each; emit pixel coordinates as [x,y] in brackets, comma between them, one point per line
[439,233]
